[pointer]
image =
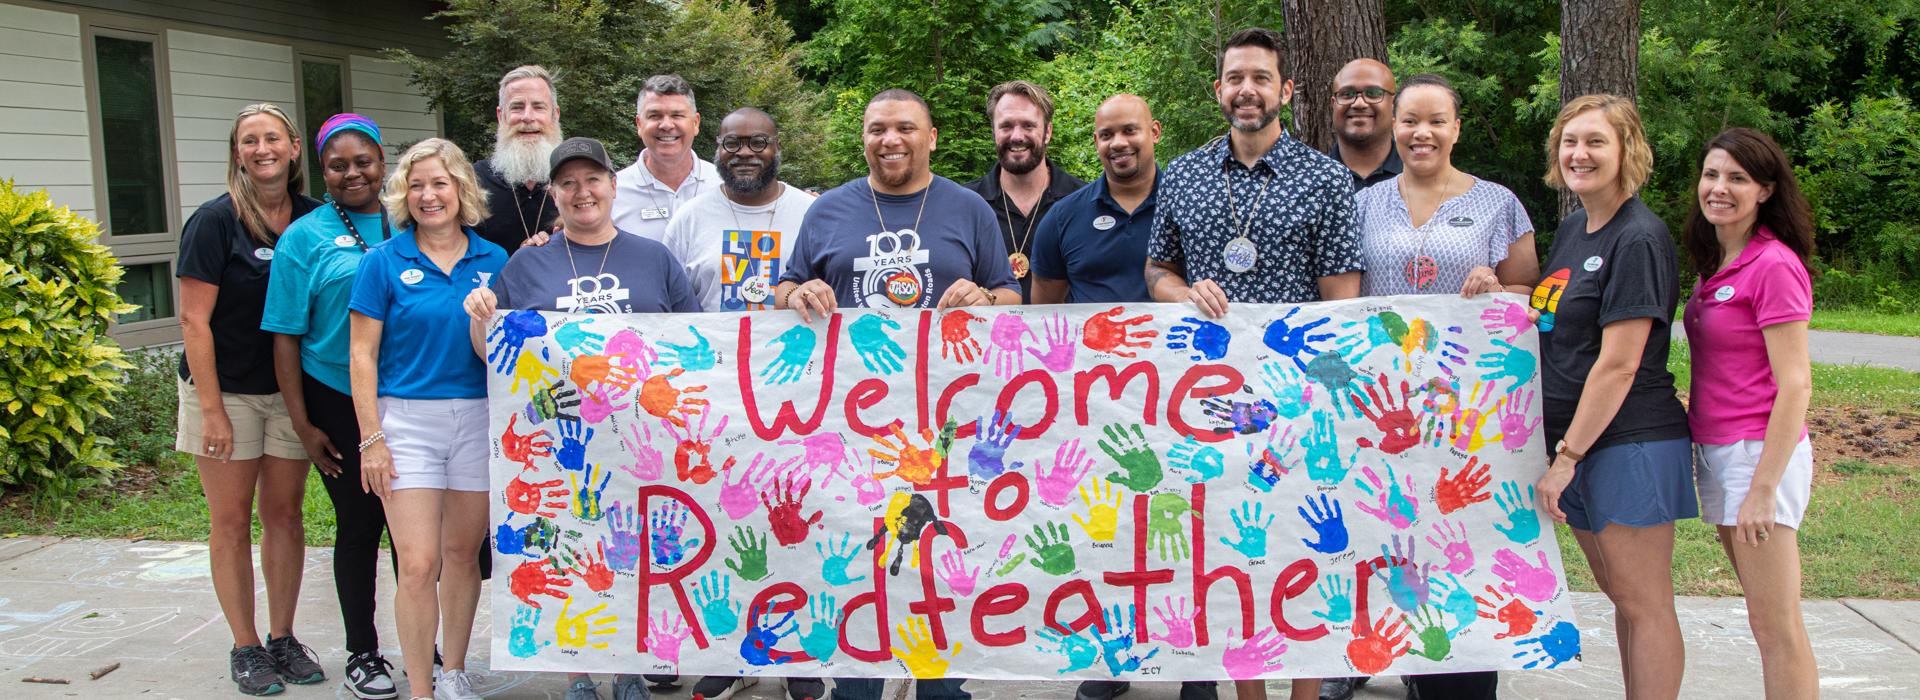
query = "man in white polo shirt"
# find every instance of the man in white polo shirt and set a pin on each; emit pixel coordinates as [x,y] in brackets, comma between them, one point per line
[667,174]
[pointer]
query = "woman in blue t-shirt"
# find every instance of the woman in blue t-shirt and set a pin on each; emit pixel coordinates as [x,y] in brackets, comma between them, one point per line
[232,418]
[314,264]
[420,396]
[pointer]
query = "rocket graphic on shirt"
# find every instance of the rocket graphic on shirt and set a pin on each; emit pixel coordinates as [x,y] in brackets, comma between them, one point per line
[1546,297]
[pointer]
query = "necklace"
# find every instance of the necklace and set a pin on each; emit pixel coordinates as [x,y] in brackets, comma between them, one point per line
[580,297]
[1240,253]
[903,287]
[385,231]
[526,232]
[924,194]
[1018,258]
[1421,270]
[756,289]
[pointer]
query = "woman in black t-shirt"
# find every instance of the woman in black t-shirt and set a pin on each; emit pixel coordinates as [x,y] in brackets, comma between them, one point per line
[1622,469]
[232,418]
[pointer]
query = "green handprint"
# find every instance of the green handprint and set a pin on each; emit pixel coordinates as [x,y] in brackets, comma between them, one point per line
[753,554]
[877,351]
[1054,553]
[1164,525]
[1434,642]
[1141,467]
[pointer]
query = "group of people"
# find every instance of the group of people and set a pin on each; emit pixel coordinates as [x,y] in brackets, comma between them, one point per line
[363,355]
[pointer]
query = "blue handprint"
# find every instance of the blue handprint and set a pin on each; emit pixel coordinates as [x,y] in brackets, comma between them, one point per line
[796,349]
[757,647]
[1292,393]
[586,494]
[1523,522]
[694,358]
[1323,453]
[1295,342]
[1378,331]
[533,540]
[574,437]
[1329,525]
[1272,461]
[1253,531]
[623,553]
[836,560]
[823,637]
[1559,645]
[1117,644]
[1207,339]
[511,335]
[1205,461]
[526,623]
[1407,580]
[1513,363]
[877,351]
[1080,652]
[577,340]
[1332,371]
[714,592]
[1338,592]
[1458,602]
[666,525]
[987,458]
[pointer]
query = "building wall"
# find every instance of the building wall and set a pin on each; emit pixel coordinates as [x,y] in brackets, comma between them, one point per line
[45,135]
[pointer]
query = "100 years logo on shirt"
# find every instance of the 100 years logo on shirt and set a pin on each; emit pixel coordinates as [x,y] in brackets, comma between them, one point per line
[895,271]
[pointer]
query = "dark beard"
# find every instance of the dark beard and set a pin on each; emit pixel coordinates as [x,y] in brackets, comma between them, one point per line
[1266,117]
[752,185]
[1035,149]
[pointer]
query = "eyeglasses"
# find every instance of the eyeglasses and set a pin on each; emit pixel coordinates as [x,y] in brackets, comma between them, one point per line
[756,144]
[1373,95]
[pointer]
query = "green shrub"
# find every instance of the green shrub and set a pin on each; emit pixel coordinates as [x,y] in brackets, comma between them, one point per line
[60,370]
[140,421]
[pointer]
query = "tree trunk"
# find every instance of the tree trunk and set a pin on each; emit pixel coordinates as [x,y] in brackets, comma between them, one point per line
[1322,36]
[1599,53]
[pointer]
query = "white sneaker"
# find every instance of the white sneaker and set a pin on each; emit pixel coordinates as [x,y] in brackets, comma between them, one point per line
[454,684]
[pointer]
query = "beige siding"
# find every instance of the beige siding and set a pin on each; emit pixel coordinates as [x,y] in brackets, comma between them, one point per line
[43,127]
[381,93]
[212,78]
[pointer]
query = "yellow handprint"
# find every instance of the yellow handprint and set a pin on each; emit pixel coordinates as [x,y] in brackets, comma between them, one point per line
[1471,416]
[534,372]
[1103,510]
[576,631]
[923,659]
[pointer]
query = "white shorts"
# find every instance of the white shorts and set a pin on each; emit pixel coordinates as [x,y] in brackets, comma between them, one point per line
[1725,471]
[436,444]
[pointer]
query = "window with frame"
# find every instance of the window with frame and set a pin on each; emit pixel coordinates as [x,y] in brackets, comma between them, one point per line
[323,95]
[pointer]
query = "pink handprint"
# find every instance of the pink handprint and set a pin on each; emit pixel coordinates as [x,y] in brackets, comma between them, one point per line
[740,497]
[1070,465]
[1061,341]
[956,336]
[647,462]
[599,404]
[953,570]
[665,633]
[825,452]
[628,351]
[1507,316]
[1257,656]
[1451,539]
[1515,431]
[1535,583]
[1179,621]
[1391,504]
[1008,349]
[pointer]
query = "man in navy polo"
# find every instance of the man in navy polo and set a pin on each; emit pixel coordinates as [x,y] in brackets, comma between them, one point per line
[1092,245]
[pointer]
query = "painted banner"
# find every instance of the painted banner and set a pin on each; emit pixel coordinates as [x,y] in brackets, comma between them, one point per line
[1129,492]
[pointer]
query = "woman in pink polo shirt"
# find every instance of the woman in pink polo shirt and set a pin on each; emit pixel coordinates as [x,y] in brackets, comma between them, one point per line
[1750,235]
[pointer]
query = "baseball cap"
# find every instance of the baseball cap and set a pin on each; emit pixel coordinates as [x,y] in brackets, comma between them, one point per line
[576,148]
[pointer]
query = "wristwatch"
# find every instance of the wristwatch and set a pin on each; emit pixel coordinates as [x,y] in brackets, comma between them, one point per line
[1562,450]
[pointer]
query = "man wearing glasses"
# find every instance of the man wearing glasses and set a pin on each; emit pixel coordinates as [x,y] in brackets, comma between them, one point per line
[1363,122]
[734,240]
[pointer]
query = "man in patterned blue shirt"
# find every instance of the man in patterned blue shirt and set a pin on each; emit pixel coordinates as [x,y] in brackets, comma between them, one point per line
[1255,216]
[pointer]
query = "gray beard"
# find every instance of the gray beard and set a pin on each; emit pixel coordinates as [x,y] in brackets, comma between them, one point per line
[519,161]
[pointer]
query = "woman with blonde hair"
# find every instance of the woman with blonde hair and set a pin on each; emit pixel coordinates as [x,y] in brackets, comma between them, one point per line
[419,394]
[232,418]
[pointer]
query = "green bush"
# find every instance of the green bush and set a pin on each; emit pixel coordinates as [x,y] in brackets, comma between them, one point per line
[140,421]
[57,299]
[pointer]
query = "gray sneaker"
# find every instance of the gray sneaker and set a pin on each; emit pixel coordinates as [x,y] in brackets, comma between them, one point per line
[252,670]
[454,684]
[630,687]
[294,661]
[583,689]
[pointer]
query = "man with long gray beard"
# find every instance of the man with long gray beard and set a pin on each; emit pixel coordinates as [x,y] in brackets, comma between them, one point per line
[733,240]
[515,177]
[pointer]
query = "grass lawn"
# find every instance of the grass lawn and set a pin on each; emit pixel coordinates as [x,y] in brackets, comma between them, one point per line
[172,508]
[1862,321]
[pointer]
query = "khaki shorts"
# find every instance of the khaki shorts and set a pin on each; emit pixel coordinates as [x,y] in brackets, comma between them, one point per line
[261,425]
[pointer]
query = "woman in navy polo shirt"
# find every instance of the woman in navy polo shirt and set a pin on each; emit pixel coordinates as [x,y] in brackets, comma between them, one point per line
[420,396]
[314,263]
[232,418]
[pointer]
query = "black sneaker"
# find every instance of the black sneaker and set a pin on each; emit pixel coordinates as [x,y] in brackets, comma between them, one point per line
[1341,688]
[806,689]
[1101,690]
[662,682]
[369,677]
[721,687]
[294,661]
[252,669]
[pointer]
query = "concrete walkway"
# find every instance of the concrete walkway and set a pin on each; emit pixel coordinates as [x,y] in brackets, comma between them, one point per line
[1837,348]
[72,606]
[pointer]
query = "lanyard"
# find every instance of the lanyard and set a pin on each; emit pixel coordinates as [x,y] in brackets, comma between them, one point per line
[385,231]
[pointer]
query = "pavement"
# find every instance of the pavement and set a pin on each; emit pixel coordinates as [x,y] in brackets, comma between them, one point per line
[72,606]
[1837,348]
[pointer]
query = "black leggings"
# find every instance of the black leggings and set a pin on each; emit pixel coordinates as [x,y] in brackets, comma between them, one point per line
[358,516]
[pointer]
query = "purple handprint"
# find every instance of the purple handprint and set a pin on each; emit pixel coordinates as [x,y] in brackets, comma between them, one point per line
[599,403]
[1515,431]
[647,462]
[1506,316]
[1179,621]
[1070,466]
[1450,538]
[1259,655]
[1062,339]
[953,570]
[667,523]
[739,498]
[1535,583]
[1408,581]
[987,458]
[1391,504]
[1008,351]
[623,524]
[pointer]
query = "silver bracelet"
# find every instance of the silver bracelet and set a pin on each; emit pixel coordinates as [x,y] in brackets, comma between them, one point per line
[377,436]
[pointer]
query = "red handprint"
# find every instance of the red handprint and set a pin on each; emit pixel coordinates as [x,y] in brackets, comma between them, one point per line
[1106,332]
[1399,430]
[592,569]
[1373,651]
[523,448]
[663,400]
[1518,618]
[783,512]
[535,578]
[692,457]
[535,498]
[956,336]
[1464,488]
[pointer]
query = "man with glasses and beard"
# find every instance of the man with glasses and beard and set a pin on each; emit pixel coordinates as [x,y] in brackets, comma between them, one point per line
[1362,111]
[1024,183]
[667,175]
[733,240]
[515,177]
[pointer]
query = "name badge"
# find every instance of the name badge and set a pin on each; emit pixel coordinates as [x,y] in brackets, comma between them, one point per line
[343,240]
[651,213]
[263,253]
[1103,222]
[1724,293]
